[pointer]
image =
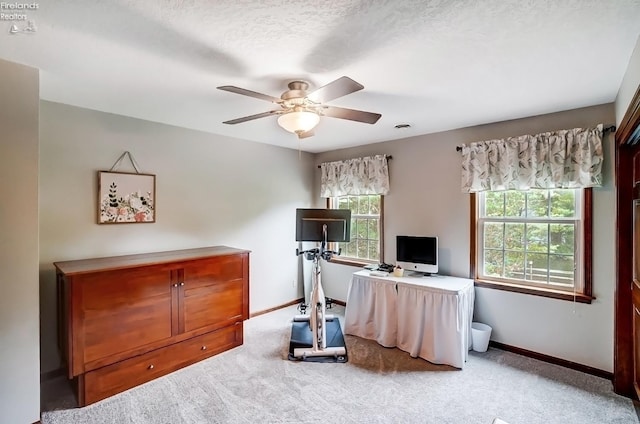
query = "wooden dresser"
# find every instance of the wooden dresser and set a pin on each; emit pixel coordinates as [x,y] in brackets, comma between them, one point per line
[125,320]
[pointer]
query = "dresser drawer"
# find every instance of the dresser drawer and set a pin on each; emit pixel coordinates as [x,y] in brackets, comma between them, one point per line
[106,381]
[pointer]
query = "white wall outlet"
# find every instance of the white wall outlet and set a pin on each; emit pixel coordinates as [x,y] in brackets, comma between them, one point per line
[295,284]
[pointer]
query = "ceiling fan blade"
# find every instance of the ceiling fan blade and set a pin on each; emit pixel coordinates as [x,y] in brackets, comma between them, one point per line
[252,117]
[306,134]
[245,92]
[350,114]
[338,88]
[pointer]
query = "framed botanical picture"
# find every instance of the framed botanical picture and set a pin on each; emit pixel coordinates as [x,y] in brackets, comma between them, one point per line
[126,198]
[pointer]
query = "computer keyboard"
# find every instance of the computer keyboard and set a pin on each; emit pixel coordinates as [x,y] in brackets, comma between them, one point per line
[378,273]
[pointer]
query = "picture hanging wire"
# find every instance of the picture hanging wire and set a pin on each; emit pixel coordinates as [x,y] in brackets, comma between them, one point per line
[131,159]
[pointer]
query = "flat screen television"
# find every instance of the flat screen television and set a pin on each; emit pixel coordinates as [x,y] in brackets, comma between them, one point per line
[417,253]
[310,222]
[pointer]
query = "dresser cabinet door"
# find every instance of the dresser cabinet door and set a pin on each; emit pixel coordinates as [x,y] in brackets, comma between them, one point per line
[122,310]
[213,292]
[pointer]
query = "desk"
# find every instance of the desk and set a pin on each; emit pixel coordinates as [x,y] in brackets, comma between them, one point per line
[429,317]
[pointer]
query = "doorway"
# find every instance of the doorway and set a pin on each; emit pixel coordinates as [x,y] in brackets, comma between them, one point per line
[626,372]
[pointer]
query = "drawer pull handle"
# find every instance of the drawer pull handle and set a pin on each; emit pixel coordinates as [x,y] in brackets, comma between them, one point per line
[203,348]
[175,285]
[151,367]
[182,284]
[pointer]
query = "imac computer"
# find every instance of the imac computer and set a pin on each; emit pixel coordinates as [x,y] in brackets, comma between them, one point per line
[417,253]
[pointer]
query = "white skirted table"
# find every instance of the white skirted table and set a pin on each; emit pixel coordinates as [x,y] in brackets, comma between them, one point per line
[429,317]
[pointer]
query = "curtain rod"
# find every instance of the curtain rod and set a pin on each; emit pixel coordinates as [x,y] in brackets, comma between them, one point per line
[611,128]
[388,157]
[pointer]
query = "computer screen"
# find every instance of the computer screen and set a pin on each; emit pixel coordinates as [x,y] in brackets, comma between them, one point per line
[310,224]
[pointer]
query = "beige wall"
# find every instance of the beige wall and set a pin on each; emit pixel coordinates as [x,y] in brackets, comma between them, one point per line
[630,84]
[425,199]
[19,341]
[211,190]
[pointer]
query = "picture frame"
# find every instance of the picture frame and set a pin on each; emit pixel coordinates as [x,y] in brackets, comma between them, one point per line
[126,198]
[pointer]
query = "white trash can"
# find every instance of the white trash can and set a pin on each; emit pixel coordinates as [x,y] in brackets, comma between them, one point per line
[480,335]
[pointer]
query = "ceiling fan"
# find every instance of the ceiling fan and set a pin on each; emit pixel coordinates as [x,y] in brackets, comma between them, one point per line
[300,111]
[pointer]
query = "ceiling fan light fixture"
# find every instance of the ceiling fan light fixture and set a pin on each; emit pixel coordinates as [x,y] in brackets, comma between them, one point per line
[300,111]
[298,121]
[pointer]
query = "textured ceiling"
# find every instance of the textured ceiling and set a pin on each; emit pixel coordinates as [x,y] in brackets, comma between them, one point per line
[436,65]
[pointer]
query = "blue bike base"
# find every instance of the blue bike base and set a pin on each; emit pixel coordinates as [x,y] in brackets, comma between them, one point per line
[302,337]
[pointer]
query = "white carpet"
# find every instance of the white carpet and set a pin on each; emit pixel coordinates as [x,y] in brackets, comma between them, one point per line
[255,383]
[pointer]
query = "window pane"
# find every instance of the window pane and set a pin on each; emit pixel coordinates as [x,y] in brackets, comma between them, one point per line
[561,269]
[514,236]
[537,237]
[363,205]
[362,228]
[493,235]
[373,229]
[374,203]
[343,203]
[494,203]
[514,203]
[537,267]
[351,249]
[493,261]
[363,249]
[353,204]
[354,229]
[537,203]
[373,250]
[561,238]
[514,265]
[563,203]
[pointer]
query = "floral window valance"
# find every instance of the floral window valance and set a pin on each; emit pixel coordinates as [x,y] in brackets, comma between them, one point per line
[366,175]
[559,159]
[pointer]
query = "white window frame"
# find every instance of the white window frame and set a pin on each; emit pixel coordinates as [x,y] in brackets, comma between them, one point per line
[343,258]
[582,276]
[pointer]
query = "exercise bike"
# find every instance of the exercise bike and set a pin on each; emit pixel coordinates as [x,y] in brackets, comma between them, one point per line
[317,317]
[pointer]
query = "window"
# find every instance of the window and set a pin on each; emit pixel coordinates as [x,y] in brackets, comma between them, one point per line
[366,228]
[535,241]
